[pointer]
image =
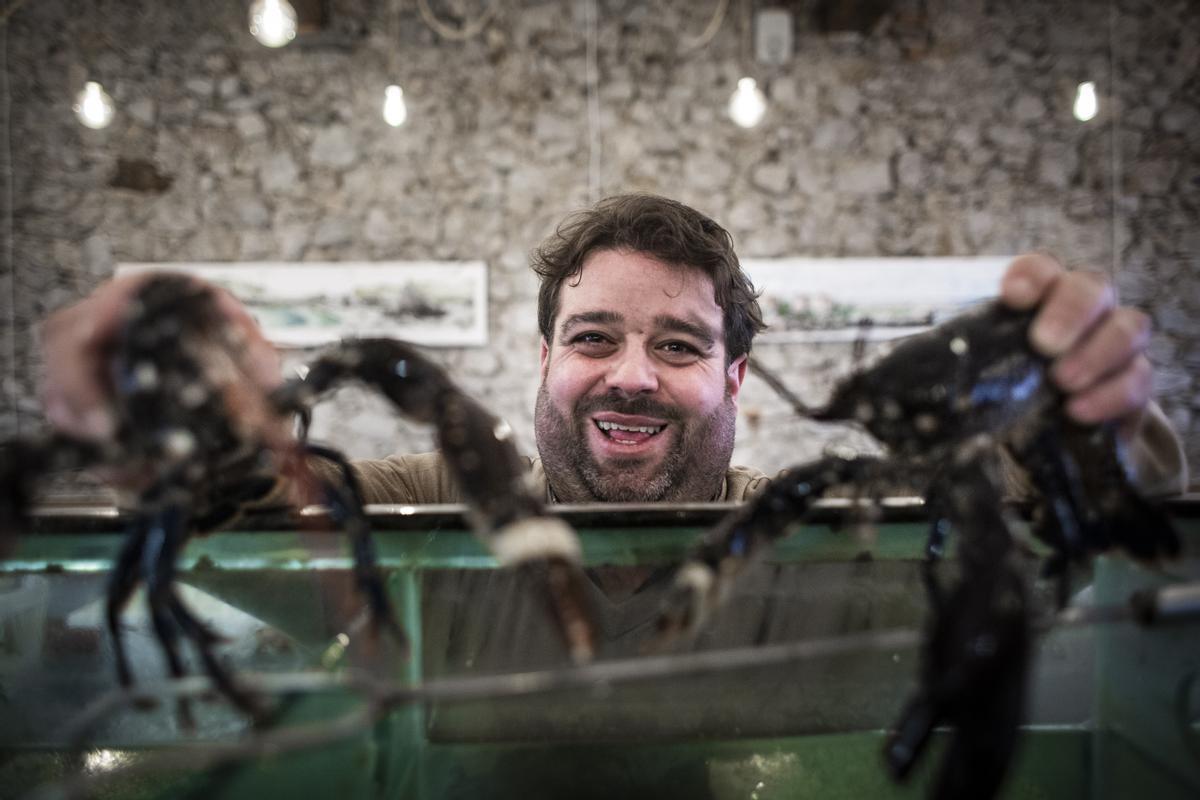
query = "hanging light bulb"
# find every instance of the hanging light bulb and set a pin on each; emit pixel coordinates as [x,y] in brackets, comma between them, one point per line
[94,107]
[1086,104]
[394,110]
[748,103]
[273,22]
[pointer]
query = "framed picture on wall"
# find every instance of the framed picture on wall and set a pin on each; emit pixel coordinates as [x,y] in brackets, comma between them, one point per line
[310,304]
[843,299]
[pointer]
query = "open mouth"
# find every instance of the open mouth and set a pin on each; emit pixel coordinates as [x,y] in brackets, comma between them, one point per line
[628,434]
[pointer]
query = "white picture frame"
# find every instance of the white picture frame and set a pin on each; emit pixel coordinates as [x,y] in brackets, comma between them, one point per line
[828,299]
[312,304]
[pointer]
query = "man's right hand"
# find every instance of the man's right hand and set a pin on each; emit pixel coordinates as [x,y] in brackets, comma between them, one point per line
[77,342]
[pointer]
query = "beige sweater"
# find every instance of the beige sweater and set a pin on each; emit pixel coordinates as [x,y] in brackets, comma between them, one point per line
[424,478]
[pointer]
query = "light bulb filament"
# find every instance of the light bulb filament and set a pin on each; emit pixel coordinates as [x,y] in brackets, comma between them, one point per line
[748,103]
[1086,104]
[394,110]
[94,107]
[273,22]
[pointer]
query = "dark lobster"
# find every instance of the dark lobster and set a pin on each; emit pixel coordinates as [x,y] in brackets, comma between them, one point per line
[182,417]
[956,407]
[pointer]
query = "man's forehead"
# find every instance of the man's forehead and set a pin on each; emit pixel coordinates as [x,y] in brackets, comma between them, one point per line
[623,287]
[617,272]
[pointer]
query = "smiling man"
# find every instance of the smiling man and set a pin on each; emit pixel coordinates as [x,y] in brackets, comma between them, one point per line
[646,322]
[638,399]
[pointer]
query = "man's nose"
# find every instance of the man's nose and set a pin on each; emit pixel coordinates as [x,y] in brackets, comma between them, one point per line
[633,372]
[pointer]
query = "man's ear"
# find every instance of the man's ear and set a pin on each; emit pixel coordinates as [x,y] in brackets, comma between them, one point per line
[736,374]
[544,358]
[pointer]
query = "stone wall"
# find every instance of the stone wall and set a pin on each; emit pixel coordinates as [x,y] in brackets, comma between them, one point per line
[945,131]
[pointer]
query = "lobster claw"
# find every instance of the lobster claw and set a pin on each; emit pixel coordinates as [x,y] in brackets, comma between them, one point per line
[479,452]
[975,657]
[547,549]
[973,678]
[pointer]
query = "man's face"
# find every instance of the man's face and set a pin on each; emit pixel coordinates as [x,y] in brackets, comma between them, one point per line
[636,401]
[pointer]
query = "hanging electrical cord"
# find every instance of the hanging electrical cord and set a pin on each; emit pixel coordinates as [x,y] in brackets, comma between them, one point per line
[690,43]
[395,112]
[393,27]
[10,267]
[1114,154]
[592,78]
[745,36]
[470,28]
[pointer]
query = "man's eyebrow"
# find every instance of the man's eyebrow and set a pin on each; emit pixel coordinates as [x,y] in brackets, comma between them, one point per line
[590,318]
[695,329]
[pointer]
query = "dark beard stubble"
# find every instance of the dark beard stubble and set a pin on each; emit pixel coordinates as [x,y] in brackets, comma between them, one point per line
[692,470]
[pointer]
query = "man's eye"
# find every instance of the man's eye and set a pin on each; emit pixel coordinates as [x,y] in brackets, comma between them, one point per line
[679,351]
[592,343]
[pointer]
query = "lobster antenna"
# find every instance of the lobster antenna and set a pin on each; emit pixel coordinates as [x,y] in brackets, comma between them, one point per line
[860,341]
[780,388]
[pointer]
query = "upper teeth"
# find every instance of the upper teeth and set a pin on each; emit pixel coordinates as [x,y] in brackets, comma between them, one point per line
[612,426]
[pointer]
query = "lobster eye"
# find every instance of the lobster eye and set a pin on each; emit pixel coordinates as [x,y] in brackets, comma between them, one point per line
[925,423]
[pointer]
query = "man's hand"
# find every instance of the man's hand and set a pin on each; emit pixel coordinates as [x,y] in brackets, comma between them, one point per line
[1098,347]
[77,342]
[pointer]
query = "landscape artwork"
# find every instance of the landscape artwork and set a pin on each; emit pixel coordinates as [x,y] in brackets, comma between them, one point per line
[844,299]
[311,304]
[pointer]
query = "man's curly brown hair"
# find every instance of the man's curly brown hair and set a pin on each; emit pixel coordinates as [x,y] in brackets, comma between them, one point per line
[664,229]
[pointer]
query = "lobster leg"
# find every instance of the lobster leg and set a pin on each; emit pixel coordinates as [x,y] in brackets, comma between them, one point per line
[974,663]
[166,534]
[204,639]
[346,507]
[121,585]
[1092,506]
[1087,503]
[164,537]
